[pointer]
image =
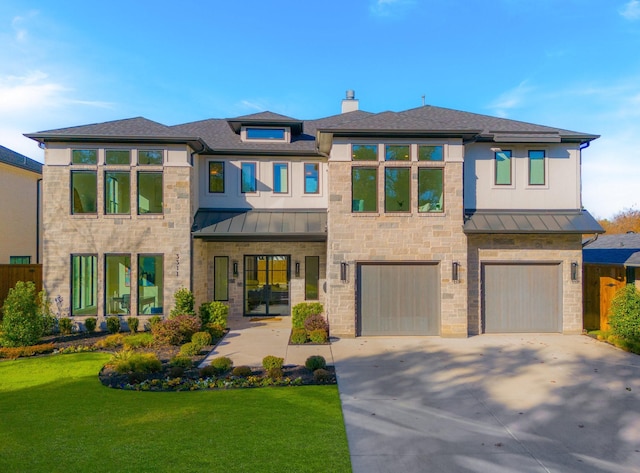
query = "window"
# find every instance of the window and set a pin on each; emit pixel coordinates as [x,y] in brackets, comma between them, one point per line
[149,193]
[84,284]
[117,197]
[430,189]
[364,152]
[117,156]
[536,167]
[266,134]
[84,156]
[311,176]
[84,192]
[397,153]
[364,189]
[19,259]
[150,157]
[503,167]
[220,278]
[216,177]
[280,178]
[118,284]
[311,277]
[430,153]
[397,190]
[150,284]
[248,178]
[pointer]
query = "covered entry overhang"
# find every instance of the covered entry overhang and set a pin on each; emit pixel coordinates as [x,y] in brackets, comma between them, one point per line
[530,222]
[260,225]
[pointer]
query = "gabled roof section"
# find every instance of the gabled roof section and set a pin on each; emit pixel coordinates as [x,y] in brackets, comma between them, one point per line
[437,121]
[529,222]
[10,157]
[128,130]
[266,119]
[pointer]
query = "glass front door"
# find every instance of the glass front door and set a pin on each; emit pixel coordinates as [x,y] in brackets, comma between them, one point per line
[266,285]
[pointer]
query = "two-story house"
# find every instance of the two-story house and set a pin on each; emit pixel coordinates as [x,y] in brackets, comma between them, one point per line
[429,221]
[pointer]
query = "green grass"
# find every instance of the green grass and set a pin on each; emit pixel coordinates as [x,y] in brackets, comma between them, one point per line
[55,416]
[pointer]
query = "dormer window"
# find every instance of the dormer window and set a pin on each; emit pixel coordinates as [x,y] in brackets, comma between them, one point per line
[255,133]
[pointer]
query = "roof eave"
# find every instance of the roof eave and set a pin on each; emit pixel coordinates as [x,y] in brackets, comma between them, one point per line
[194,142]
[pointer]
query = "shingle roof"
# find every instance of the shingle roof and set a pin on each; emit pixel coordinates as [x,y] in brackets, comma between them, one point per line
[613,249]
[18,160]
[528,221]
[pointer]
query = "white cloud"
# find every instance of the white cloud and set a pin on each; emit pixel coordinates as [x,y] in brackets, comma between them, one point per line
[389,7]
[512,99]
[631,10]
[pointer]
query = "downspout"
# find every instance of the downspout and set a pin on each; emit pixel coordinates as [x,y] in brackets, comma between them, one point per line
[191,258]
[38,192]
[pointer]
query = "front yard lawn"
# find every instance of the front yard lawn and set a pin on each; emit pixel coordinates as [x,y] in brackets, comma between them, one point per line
[56,416]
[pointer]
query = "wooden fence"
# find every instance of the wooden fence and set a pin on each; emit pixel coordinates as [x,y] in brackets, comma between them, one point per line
[600,285]
[10,274]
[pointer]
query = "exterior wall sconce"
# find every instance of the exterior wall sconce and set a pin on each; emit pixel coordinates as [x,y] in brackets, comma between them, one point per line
[297,269]
[343,271]
[574,271]
[235,269]
[455,271]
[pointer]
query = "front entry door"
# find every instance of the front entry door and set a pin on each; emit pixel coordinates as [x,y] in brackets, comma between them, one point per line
[266,285]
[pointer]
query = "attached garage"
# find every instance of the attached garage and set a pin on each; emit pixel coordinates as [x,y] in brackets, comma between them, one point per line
[398,299]
[522,297]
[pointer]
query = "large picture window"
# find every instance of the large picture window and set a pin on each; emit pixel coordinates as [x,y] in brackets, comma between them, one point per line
[364,152]
[118,284]
[311,178]
[503,167]
[280,178]
[84,284]
[216,177]
[84,156]
[149,192]
[84,192]
[311,277]
[536,168]
[220,278]
[117,192]
[364,189]
[248,179]
[430,189]
[397,189]
[150,284]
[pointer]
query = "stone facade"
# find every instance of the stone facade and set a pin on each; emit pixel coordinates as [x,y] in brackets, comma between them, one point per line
[99,234]
[563,249]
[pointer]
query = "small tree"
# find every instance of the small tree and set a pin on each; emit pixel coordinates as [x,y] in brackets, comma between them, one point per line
[184,302]
[23,323]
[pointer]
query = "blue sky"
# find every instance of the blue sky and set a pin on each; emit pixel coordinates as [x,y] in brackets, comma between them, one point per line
[572,64]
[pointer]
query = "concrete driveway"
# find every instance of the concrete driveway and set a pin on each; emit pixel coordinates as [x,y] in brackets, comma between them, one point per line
[516,403]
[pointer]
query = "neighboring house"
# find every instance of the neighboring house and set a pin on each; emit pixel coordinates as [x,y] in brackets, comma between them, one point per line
[610,262]
[19,208]
[429,221]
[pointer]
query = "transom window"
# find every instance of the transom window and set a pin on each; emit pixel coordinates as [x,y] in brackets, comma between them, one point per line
[536,167]
[364,152]
[397,153]
[84,156]
[216,177]
[276,134]
[503,167]
[117,156]
[19,259]
[150,157]
[430,153]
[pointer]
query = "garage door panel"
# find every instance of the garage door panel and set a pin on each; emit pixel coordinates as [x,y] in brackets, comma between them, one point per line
[398,299]
[522,298]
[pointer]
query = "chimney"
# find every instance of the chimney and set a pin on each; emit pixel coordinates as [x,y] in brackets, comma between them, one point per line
[350,104]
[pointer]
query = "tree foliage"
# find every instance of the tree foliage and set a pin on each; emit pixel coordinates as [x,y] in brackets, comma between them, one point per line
[24,322]
[624,314]
[625,221]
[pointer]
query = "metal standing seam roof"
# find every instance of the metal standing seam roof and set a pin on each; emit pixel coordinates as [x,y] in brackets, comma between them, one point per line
[500,221]
[260,225]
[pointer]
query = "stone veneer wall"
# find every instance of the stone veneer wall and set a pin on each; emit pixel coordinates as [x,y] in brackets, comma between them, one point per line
[204,253]
[527,248]
[66,234]
[395,237]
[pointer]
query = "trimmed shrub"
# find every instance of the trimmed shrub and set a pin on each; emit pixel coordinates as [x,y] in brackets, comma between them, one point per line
[271,361]
[22,323]
[112,341]
[201,339]
[184,301]
[298,336]
[90,324]
[133,323]
[215,312]
[138,363]
[216,331]
[315,362]
[154,319]
[241,371]
[190,349]
[16,352]
[113,324]
[65,325]
[624,314]
[318,336]
[222,364]
[176,331]
[316,322]
[321,376]
[275,373]
[139,340]
[301,311]
[182,361]
[176,372]
[207,371]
